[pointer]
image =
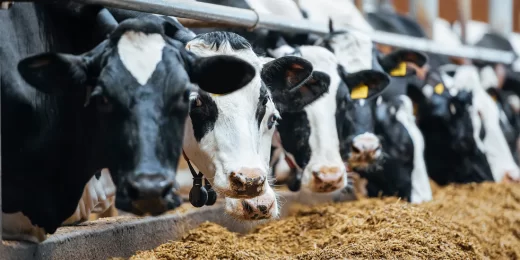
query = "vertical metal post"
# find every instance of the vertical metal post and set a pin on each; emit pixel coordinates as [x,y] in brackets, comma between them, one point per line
[370,6]
[501,16]
[464,16]
[425,12]
[387,5]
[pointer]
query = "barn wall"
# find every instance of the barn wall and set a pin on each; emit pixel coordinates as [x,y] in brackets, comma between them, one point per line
[448,10]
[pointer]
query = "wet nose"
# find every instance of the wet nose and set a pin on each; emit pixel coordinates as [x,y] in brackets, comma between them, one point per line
[149,186]
[366,143]
[328,179]
[247,182]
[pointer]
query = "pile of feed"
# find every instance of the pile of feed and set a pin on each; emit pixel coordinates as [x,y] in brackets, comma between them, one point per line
[473,221]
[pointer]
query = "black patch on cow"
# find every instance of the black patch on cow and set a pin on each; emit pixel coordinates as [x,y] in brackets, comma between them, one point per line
[216,39]
[262,104]
[203,117]
[295,130]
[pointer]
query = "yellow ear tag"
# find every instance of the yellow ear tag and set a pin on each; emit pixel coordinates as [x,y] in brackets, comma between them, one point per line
[439,88]
[415,108]
[494,98]
[359,92]
[399,71]
[214,95]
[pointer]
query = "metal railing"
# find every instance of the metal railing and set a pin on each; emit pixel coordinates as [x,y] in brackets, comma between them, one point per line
[251,19]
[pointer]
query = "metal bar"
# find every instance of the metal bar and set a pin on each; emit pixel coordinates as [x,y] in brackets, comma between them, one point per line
[501,16]
[464,15]
[425,12]
[250,19]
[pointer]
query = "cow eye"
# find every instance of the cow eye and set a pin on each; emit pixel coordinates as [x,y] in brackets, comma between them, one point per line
[272,121]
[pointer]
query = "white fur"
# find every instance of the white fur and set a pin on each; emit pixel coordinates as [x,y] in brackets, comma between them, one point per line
[98,196]
[323,139]
[344,14]
[421,190]
[286,8]
[236,141]
[488,78]
[474,30]
[443,33]
[497,151]
[353,51]
[140,53]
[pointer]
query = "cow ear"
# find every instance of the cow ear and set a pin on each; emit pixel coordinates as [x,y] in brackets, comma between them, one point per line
[285,73]
[296,99]
[365,84]
[221,74]
[54,73]
[395,62]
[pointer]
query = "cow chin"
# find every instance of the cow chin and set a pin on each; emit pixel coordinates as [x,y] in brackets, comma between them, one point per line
[323,183]
[264,207]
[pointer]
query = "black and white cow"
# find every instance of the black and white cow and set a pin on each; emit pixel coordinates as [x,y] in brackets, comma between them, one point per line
[229,137]
[122,106]
[366,154]
[452,130]
[311,138]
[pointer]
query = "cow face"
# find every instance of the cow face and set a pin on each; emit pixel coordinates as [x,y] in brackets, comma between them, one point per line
[138,87]
[364,147]
[229,137]
[450,109]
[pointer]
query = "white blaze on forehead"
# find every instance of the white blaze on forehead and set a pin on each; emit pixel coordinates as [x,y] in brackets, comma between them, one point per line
[140,53]
[353,51]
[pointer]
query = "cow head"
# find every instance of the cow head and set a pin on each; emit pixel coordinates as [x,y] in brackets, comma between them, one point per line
[364,147]
[229,137]
[135,87]
[446,108]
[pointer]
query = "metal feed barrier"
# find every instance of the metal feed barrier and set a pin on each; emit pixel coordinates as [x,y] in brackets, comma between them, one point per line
[92,244]
[251,19]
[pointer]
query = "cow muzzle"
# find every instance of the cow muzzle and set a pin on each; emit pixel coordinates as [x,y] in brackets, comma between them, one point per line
[260,208]
[327,179]
[144,186]
[245,183]
[366,150]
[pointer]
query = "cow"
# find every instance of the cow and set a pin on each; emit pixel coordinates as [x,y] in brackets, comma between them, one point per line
[311,138]
[120,105]
[229,137]
[216,126]
[452,130]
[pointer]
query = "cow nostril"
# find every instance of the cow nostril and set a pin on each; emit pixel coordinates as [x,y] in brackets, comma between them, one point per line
[247,207]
